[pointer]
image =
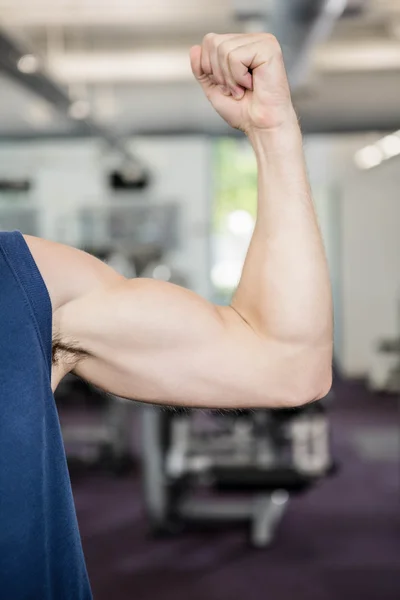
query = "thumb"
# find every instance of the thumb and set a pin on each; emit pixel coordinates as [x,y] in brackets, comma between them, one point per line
[195,61]
[202,78]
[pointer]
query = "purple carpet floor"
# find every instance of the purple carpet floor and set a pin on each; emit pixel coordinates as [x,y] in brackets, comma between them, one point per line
[340,541]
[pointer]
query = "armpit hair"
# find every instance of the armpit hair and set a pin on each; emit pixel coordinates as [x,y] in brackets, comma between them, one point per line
[67,351]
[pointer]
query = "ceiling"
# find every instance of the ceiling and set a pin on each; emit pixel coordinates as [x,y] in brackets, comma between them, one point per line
[127,60]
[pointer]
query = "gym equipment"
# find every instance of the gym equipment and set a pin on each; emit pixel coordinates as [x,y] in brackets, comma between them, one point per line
[384,369]
[19,215]
[96,428]
[265,455]
[136,228]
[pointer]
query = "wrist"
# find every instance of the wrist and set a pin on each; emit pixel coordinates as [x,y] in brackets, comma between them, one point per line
[280,139]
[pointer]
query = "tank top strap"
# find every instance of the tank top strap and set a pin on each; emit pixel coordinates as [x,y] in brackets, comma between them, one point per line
[23,266]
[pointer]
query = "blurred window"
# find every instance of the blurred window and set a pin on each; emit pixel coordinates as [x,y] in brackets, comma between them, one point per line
[234,212]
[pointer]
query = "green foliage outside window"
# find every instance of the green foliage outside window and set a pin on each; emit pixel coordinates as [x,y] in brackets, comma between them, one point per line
[235,180]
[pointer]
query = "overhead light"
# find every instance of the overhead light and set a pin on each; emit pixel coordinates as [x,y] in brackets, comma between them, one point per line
[361,56]
[168,65]
[38,114]
[390,145]
[368,157]
[383,149]
[28,63]
[80,109]
[139,15]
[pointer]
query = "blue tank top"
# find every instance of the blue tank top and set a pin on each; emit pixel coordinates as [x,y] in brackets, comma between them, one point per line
[41,555]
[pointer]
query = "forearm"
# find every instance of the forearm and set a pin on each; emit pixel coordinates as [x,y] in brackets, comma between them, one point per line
[284,291]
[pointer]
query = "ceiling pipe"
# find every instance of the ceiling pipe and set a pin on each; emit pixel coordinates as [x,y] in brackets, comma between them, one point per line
[299,25]
[19,64]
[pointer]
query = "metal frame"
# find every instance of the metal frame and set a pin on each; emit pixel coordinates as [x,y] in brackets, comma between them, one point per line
[172,469]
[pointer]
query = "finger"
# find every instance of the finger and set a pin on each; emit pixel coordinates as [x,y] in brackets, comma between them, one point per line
[197,69]
[224,49]
[246,62]
[205,53]
[236,61]
[195,61]
[213,44]
[210,64]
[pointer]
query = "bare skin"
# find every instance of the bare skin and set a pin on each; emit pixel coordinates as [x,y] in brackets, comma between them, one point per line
[156,342]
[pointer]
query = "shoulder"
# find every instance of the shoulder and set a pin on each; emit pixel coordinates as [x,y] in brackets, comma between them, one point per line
[67,272]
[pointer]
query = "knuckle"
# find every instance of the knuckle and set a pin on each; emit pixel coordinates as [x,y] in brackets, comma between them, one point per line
[208,37]
[208,40]
[212,40]
[273,42]
[205,65]
[269,37]
[232,55]
[223,49]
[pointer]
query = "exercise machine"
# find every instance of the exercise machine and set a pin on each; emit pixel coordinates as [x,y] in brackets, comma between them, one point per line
[384,368]
[96,427]
[213,466]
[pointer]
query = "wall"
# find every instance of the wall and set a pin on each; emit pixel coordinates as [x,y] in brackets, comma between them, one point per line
[183,170]
[370,223]
[67,174]
[359,214]
[318,152]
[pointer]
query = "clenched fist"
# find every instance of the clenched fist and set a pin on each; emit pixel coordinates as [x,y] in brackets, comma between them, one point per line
[244,78]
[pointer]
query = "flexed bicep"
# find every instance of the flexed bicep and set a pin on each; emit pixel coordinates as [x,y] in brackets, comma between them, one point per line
[157,342]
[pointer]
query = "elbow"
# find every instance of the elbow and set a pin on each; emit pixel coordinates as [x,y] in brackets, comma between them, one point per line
[310,387]
[308,381]
[325,385]
[313,392]
[290,391]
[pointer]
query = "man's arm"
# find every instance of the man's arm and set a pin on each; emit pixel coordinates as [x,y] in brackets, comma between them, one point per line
[273,346]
